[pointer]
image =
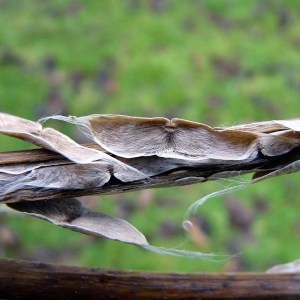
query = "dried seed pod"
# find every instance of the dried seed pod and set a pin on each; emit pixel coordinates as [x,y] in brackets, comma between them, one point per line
[141,149]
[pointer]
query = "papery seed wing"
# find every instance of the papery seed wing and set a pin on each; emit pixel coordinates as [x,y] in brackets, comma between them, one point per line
[69,213]
[47,138]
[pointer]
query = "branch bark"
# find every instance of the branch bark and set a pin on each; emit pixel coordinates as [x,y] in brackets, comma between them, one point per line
[32,280]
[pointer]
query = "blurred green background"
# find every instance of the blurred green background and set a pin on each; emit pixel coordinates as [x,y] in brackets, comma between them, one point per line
[216,62]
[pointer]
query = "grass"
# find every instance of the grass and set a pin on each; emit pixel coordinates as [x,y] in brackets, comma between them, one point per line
[216,62]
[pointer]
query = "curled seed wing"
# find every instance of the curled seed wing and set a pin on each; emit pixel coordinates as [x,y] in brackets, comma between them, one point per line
[131,137]
[69,213]
[293,124]
[47,138]
[64,177]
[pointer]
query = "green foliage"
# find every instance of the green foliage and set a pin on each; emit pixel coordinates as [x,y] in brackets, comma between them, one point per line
[216,62]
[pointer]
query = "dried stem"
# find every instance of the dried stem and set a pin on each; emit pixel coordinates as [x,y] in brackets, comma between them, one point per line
[31,281]
[181,176]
